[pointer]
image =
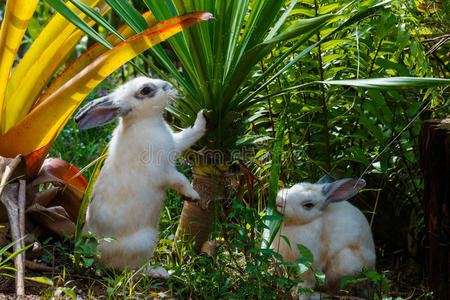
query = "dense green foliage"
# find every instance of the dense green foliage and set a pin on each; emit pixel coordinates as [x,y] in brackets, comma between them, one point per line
[344,131]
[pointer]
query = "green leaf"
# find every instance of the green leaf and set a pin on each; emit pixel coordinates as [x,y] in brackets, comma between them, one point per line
[34,28]
[95,16]
[302,265]
[43,280]
[88,192]
[376,277]
[353,19]
[281,20]
[359,155]
[88,261]
[129,14]
[346,280]
[70,15]
[299,27]
[390,65]
[5,248]
[320,277]
[69,292]
[15,253]
[273,218]
[391,82]
[250,268]
[274,224]
[253,55]
[6,274]
[285,238]
[305,253]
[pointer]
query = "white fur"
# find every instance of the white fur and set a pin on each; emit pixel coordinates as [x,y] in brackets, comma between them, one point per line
[129,193]
[337,233]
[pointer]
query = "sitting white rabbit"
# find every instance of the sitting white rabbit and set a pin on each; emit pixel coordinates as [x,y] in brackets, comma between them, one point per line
[336,232]
[129,193]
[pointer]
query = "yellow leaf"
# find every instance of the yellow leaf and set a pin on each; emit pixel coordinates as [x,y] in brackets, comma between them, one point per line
[44,122]
[53,30]
[89,55]
[39,64]
[17,16]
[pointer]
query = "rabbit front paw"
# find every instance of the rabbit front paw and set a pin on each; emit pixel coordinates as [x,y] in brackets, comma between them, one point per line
[192,195]
[200,121]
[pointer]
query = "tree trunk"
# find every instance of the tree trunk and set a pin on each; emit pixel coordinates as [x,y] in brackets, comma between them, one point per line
[197,218]
[434,145]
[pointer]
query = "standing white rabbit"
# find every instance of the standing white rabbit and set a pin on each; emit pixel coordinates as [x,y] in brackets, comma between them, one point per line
[336,232]
[129,193]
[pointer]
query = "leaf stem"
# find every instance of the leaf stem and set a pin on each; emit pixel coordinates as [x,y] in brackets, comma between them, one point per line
[324,104]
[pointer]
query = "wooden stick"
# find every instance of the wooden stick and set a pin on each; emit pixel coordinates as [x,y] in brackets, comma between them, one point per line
[20,287]
[13,216]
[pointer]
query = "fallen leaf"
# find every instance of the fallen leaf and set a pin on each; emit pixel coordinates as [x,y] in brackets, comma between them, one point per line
[64,171]
[54,219]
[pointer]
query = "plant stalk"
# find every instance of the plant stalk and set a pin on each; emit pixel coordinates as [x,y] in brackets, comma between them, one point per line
[197,218]
[324,104]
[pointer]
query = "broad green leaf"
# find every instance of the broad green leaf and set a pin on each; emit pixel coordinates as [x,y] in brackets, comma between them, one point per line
[302,265]
[331,57]
[273,218]
[34,28]
[333,43]
[346,280]
[17,16]
[309,12]
[376,277]
[305,253]
[387,64]
[392,82]
[328,8]
[320,277]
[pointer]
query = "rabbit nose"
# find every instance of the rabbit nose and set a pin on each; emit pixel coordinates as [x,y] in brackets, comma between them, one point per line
[278,204]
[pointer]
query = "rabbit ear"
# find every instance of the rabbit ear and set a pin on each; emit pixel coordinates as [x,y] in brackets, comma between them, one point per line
[342,189]
[98,112]
[326,179]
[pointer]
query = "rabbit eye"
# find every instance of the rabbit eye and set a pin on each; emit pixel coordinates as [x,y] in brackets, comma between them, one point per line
[145,91]
[308,205]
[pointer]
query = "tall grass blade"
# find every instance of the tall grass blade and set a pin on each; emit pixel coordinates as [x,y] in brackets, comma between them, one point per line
[70,15]
[129,14]
[88,193]
[274,223]
[391,82]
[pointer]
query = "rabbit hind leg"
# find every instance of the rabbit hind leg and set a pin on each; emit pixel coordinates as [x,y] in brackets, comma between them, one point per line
[347,262]
[130,252]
